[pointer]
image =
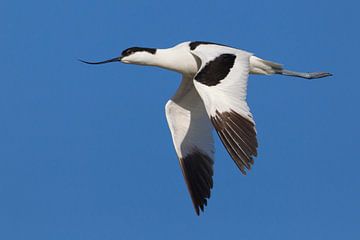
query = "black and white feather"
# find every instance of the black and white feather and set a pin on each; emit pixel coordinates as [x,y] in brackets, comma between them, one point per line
[222,83]
[212,94]
[191,131]
[214,97]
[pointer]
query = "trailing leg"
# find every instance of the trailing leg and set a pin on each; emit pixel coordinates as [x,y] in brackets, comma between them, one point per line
[260,66]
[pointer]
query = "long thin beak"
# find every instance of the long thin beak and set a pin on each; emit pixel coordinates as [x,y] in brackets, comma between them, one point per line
[117,59]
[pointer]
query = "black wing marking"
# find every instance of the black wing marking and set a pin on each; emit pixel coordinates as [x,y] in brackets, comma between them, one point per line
[197,169]
[238,135]
[216,70]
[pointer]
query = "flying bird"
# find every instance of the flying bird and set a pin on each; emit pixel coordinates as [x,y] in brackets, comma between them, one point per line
[212,94]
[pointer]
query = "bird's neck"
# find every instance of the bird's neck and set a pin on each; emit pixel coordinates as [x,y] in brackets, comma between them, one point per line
[175,59]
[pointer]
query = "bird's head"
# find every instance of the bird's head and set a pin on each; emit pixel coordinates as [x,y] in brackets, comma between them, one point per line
[133,55]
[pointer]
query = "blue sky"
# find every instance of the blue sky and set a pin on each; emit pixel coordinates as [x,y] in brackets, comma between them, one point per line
[85,151]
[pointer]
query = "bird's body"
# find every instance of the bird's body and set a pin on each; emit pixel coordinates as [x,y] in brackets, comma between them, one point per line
[212,95]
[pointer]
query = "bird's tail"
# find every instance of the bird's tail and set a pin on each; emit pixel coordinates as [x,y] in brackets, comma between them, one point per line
[260,66]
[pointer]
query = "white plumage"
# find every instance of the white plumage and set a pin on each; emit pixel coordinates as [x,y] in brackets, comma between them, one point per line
[212,94]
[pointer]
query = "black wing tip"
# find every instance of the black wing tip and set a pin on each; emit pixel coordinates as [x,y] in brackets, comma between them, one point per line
[198,171]
[197,211]
[199,208]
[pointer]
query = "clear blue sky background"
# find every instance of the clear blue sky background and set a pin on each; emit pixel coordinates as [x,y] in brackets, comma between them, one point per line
[85,151]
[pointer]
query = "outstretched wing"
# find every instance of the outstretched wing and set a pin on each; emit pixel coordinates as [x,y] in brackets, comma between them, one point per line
[222,83]
[191,132]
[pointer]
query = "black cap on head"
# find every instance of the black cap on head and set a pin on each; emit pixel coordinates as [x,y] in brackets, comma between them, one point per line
[132,50]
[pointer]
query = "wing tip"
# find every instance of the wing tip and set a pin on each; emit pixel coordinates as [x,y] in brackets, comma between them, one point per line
[197,170]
